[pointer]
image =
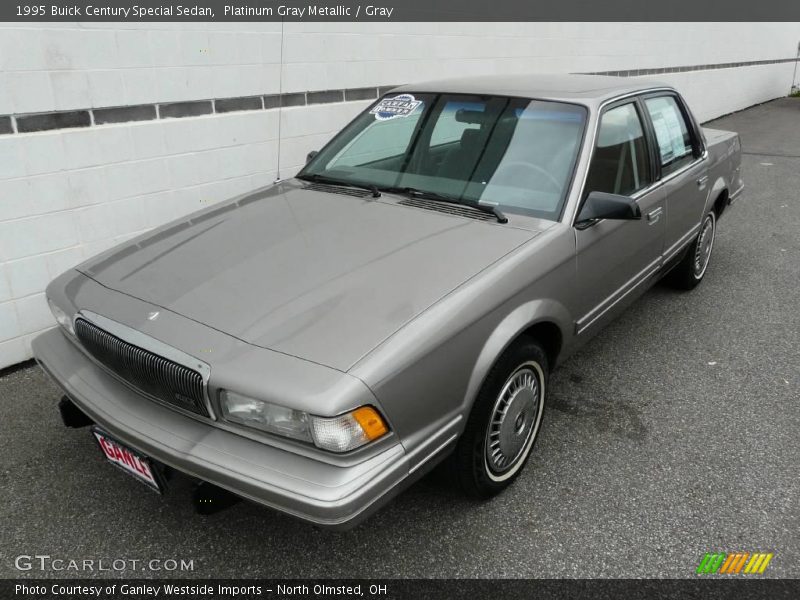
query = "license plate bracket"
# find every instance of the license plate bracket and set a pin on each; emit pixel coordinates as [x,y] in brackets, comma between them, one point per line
[134,463]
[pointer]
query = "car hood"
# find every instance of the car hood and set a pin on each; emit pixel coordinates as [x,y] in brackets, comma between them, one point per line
[318,275]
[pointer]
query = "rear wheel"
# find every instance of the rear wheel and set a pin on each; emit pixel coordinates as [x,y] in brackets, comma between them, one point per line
[505,421]
[688,273]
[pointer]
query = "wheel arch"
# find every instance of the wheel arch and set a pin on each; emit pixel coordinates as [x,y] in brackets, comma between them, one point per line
[717,198]
[547,321]
[720,203]
[549,335]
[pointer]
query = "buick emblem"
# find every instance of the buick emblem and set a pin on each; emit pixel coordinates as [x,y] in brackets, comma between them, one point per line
[153,315]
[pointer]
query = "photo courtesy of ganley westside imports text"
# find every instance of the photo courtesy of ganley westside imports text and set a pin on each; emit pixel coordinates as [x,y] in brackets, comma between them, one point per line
[141,589]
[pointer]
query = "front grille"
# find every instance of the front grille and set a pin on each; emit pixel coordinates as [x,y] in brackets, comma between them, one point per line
[151,374]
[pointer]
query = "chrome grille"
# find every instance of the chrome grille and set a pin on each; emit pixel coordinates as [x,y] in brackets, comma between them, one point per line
[151,374]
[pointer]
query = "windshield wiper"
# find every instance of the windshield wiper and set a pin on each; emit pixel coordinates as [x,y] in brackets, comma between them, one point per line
[416,193]
[316,178]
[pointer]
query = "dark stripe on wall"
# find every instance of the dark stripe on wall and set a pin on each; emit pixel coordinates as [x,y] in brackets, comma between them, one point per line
[295,99]
[686,69]
[151,112]
[360,94]
[325,97]
[55,120]
[232,104]
[177,110]
[124,114]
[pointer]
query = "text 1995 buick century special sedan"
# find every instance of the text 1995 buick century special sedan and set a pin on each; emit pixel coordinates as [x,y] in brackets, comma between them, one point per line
[317,345]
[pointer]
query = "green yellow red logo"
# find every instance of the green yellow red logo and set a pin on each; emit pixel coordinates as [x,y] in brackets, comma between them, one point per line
[734,563]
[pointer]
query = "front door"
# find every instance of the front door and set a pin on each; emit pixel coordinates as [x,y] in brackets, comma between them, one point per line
[615,258]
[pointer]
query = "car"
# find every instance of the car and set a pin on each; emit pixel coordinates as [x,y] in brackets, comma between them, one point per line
[319,344]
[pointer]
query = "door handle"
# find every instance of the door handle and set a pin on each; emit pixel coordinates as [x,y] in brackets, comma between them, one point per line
[701,182]
[654,215]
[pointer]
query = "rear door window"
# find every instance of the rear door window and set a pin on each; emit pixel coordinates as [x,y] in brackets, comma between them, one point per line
[673,134]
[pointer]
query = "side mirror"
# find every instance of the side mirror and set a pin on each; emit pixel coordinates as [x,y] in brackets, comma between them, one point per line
[311,155]
[600,205]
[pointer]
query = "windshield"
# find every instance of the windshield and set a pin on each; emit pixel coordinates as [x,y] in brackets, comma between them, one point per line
[512,153]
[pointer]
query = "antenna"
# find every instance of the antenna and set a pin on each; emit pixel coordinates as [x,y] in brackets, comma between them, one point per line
[794,75]
[280,108]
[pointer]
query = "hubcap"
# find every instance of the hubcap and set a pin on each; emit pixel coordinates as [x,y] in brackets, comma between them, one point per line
[705,242]
[514,420]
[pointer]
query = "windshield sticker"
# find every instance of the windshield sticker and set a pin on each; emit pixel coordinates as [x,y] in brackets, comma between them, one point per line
[392,108]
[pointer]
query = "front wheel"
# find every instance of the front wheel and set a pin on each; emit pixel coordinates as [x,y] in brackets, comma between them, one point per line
[688,273]
[505,421]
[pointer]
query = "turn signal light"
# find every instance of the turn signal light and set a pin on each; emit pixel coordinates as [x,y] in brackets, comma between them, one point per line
[370,422]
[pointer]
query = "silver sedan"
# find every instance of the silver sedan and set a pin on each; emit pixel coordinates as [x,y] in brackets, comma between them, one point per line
[317,345]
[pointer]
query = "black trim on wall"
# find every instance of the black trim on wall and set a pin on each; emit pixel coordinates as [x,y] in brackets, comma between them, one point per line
[178,110]
[325,97]
[125,114]
[287,100]
[27,123]
[54,120]
[684,69]
[224,105]
[360,94]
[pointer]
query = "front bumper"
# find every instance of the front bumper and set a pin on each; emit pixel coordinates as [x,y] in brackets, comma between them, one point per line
[335,496]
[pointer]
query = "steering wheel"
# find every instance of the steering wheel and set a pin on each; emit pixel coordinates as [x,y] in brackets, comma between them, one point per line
[510,169]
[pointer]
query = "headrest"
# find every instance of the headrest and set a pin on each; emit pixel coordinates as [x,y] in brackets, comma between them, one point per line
[469,137]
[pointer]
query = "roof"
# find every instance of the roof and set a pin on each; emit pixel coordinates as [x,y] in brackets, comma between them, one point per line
[582,88]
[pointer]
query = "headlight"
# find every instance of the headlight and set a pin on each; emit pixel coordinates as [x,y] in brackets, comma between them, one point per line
[265,416]
[61,317]
[337,434]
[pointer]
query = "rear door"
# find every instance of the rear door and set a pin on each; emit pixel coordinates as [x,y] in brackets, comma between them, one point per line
[682,167]
[616,257]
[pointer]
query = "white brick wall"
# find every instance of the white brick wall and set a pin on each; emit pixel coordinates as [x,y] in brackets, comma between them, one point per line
[68,194]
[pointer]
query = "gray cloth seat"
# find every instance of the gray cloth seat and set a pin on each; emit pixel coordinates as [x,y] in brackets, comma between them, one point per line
[460,161]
